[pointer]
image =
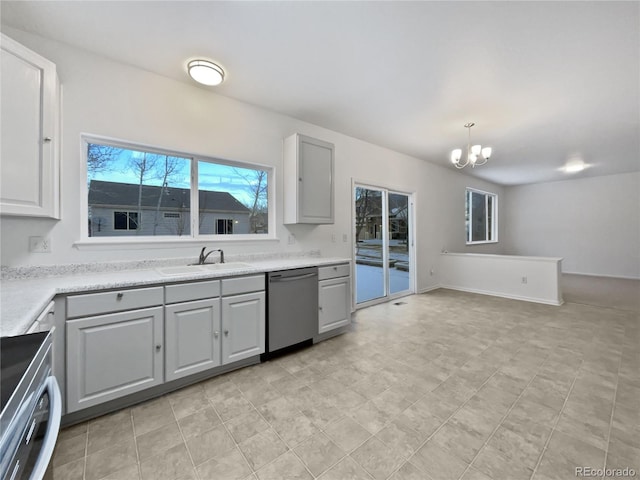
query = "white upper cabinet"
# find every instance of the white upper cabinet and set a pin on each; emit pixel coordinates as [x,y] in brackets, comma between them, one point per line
[308,180]
[29,107]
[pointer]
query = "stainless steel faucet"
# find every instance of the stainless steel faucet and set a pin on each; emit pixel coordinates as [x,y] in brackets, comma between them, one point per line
[203,257]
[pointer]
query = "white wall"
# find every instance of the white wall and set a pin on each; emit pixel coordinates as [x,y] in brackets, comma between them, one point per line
[534,279]
[106,98]
[593,223]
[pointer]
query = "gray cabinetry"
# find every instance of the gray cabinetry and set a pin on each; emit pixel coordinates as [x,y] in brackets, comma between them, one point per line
[192,329]
[29,139]
[308,180]
[243,318]
[334,297]
[243,326]
[113,355]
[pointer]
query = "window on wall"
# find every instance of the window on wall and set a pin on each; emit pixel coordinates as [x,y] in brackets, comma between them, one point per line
[142,192]
[125,220]
[481,216]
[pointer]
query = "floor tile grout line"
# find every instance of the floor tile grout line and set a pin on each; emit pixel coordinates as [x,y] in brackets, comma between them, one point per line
[557,420]
[323,431]
[289,449]
[504,417]
[86,451]
[184,439]
[292,450]
[613,409]
[135,443]
[459,408]
[223,422]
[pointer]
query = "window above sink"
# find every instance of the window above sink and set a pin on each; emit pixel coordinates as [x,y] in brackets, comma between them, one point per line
[135,193]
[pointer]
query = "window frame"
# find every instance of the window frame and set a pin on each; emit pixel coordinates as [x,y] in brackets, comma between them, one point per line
[193,237]
[492,215]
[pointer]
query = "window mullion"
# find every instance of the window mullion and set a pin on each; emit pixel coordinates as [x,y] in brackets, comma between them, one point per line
[486,217]
[195,200]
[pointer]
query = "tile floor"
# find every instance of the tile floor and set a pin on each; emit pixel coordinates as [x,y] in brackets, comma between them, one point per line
[445,385]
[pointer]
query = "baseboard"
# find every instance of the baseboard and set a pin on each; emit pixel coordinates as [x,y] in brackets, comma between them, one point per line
[504,295]
[601,275]
[429,289]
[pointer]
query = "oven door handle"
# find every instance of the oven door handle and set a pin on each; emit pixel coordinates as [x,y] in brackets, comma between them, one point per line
[53,427]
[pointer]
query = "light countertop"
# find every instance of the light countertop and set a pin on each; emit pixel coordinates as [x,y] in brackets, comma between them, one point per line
[22,300]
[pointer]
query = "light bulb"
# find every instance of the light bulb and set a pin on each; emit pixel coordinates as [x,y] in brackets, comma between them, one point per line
[476,149]
[486,152]
[456,155]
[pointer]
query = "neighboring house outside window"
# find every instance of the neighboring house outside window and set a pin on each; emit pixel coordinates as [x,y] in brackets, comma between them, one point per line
[170,217]
[481,217]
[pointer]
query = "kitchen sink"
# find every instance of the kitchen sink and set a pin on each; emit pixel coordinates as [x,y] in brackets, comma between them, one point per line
[223,266]
[195,268]
[179,270]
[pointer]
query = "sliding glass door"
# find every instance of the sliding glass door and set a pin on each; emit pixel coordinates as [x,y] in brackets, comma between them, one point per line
[398,247]
[382,226]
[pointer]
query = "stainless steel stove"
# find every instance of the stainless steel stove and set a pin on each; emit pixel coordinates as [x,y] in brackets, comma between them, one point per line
[31,406]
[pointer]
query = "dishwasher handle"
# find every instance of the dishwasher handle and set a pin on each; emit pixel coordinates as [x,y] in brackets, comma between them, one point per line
[275,278]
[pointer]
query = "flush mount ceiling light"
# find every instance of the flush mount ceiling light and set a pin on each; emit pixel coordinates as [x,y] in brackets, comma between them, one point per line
[205,72]
[574,165]
[476,155]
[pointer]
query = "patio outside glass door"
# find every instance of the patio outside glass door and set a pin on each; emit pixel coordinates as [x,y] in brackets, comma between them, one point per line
[398,246]
[382,248]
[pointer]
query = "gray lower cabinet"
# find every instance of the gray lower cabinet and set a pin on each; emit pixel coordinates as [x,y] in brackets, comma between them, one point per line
[192,337]
[113,355]
[334,297]
[243,325]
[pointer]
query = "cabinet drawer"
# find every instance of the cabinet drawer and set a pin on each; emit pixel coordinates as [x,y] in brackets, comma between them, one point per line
[114,301]
[334,271]
[184,292]
[234,286]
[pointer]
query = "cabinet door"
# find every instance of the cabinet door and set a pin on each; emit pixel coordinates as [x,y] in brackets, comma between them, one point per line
[334,300]
[243,325]
[28,106]
[110,356]
[192,337]
[308,180]
[315,194]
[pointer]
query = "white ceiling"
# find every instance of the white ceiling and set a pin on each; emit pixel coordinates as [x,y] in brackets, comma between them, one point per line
[543,81]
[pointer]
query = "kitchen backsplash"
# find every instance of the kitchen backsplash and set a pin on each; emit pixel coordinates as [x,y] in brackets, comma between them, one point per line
[43,271]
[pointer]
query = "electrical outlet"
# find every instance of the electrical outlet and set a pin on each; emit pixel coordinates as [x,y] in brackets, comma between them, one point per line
[344,238]
[333,237]
[292,239]
[39,245]
[524,280]
[431,272]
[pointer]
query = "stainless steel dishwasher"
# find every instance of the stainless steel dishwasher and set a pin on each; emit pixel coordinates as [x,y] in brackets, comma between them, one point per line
[292,307]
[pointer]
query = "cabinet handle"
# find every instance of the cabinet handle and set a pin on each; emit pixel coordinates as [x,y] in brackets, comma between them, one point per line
[226,333]
[216,334]
[320,308]
[46,139]
[120,295]
[158,348]
[299,179]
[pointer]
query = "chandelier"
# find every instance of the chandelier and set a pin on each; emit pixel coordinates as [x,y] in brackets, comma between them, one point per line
[476,155]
